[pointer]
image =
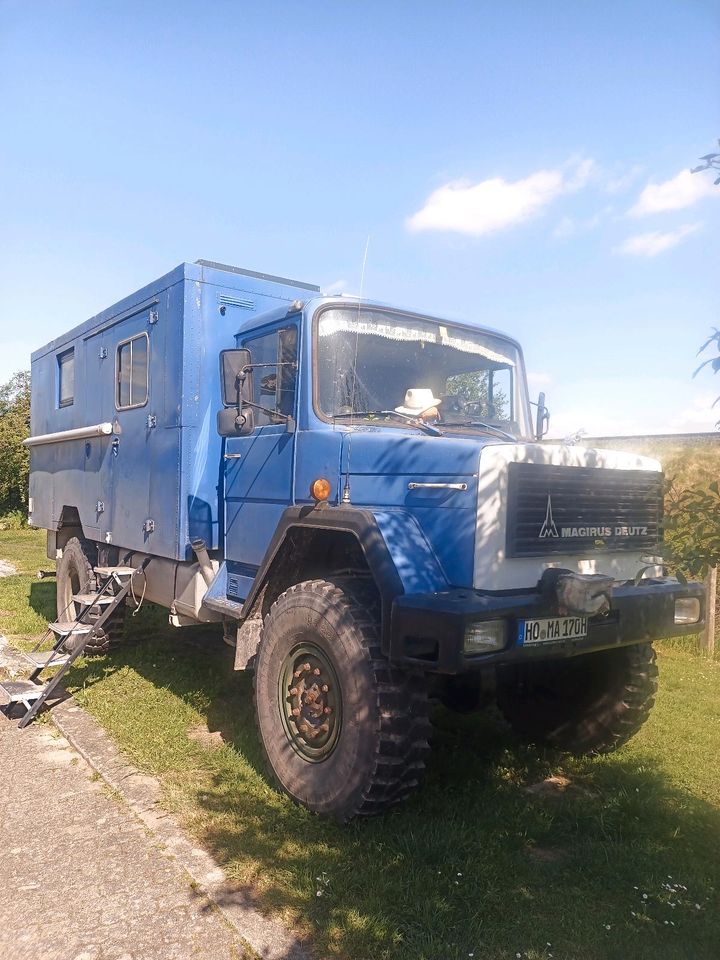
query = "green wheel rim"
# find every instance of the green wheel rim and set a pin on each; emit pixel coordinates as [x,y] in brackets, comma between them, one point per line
[310,702]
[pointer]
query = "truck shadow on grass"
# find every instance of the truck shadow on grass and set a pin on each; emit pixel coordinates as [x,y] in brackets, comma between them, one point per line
[473,864]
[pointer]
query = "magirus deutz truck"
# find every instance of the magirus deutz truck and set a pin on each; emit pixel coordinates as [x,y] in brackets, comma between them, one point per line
[362,497]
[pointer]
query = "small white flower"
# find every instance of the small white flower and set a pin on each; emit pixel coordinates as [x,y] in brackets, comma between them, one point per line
[666,922]
[318,893]
[518,956]
[635,888]
[608,926]
[459,874]
[633,913]
[698,907]
[644,896]
[672,923]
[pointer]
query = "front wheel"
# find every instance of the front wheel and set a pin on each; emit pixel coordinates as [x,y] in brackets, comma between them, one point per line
[344,732]
[588,704]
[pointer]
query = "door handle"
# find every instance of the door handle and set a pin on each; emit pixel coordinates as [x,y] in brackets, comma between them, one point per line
[437,486]
[232,456]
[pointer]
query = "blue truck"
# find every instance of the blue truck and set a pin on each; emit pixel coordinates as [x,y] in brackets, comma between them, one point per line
[361,496]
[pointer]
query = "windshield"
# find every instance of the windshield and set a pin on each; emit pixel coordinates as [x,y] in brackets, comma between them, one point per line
[371,363]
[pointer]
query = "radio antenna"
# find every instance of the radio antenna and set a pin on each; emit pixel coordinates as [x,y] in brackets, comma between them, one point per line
[346,487]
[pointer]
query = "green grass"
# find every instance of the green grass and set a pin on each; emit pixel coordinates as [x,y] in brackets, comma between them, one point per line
[473,864]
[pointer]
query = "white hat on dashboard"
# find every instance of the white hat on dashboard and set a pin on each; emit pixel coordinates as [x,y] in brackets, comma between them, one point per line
[417,400]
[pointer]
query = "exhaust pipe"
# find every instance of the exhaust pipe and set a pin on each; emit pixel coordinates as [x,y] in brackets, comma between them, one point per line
[200,551]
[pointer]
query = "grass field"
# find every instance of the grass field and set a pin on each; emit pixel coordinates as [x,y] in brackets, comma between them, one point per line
[624,864]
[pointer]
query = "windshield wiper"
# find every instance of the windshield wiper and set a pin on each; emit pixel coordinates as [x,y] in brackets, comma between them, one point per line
[414,421]
[488,426]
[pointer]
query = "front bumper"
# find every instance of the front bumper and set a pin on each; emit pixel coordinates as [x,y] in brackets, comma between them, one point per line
[428,630]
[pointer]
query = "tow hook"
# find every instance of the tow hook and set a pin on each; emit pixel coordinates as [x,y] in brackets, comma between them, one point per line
[586,593]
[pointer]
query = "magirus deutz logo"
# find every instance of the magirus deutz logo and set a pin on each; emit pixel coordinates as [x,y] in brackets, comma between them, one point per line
[550,529]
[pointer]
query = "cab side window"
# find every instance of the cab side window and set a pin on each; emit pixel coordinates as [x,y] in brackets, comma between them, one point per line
[274,359]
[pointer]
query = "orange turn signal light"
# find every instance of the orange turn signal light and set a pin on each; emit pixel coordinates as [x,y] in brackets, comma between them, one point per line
[320,489]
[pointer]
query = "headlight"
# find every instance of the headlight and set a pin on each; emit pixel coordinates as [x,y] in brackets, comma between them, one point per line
[687,610]
[484,637]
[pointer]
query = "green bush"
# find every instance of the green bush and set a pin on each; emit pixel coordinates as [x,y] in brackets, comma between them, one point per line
[14,459]
[14,520]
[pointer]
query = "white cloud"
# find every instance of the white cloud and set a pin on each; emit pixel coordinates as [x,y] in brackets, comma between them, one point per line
[623,179]
[679,192]
[569,226]
[651,244]
[480,208]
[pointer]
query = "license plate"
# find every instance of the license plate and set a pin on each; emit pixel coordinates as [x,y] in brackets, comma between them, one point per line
[552,629]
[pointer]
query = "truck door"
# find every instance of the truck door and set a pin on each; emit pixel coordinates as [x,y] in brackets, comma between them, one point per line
[129,461]
[259,467]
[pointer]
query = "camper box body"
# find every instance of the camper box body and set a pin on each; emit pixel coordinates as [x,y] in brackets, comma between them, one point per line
[144,373]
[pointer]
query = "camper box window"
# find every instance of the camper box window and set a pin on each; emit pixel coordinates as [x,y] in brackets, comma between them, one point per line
[132,373]
[66,377]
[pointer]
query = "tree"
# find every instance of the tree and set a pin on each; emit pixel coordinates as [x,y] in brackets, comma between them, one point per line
[692,528]
[14,427]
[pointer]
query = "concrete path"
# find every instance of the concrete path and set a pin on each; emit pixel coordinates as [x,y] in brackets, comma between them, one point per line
[81,878]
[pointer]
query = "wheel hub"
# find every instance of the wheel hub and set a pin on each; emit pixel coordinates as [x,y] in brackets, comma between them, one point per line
[310,702]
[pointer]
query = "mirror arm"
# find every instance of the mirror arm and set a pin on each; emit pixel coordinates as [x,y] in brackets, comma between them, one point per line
[272,413]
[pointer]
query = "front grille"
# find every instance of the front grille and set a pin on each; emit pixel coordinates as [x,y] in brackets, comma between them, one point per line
[554,510]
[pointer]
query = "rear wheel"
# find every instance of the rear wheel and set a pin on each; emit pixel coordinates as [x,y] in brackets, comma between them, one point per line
[589,704]
[344,732]
[76,575]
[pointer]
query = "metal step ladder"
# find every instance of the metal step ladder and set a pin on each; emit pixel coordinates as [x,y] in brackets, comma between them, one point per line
[115,582]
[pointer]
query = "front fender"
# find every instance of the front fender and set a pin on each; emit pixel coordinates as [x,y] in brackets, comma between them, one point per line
[396,551]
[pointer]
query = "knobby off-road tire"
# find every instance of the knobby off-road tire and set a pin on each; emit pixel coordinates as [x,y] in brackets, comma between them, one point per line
[76,574]
[589,704]
[344,732]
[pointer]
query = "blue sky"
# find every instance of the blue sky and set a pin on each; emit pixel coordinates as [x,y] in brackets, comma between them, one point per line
[521,163]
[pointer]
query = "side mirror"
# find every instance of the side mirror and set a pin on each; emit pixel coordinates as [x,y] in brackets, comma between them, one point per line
[234,423]
[235,377]
[542,422]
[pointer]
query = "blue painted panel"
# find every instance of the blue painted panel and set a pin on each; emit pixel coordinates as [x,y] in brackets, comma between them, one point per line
[414,557]
[383,461]
[258,488]
[318,455]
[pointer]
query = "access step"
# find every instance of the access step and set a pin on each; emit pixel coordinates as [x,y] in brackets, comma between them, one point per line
[63,628]
[22,691]
[46,658]
[117,571]
[93,600]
